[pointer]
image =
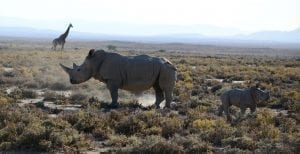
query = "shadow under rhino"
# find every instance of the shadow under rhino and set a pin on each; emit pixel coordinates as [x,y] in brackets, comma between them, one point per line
[131,73]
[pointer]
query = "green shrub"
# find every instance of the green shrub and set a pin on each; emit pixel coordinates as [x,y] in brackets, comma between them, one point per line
[156,144]
[50,96]
[78,98]
[29,93]
[262,126]
[16,94]
[111,47]
[269,132]
[28,129]
[240,142]
[151,118]
[264,117]
[212,130]
[165,147]
[286,125]
[59,86]
[31,84]
[154,130]
[4,146]
[204,124]
[90,122]
[130,125]
[31,136]
[192,143]
[5,99]
[171,125]
[235,150]
[123,141]
[266,147]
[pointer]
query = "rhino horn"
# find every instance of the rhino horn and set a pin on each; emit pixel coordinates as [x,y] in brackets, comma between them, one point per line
[66,69]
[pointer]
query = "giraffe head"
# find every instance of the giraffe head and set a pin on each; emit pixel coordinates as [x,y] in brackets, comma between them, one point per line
[70,25]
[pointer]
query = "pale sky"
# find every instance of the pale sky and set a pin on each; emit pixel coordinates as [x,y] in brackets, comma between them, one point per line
[245,15]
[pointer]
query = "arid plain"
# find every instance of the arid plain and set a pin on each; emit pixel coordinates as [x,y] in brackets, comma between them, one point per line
[41,111]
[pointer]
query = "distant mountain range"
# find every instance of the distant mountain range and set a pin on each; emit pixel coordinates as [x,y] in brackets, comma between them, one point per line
[263,36]
[276,36]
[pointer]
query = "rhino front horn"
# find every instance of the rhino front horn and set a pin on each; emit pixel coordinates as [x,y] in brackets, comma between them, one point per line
[66,69]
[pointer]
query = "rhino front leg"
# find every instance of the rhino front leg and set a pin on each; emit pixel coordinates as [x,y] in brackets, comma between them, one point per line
[113,89]
[225,106]
[226,110]
[228,114]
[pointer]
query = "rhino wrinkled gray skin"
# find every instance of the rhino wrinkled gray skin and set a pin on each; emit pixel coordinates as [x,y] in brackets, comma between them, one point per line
[243,99]
[131,73]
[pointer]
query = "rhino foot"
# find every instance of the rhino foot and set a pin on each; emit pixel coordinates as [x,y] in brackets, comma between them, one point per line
[113,105]
[167,109]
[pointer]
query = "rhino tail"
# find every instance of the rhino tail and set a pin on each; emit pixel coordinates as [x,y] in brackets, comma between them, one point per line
[168,63]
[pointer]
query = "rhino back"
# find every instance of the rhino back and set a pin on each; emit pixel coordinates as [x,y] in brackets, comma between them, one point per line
[139,72]
[135,73]
[234,96]
[240,97]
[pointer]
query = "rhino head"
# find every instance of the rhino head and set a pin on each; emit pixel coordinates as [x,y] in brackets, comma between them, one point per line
[260,94]
[263,95]
[82,73]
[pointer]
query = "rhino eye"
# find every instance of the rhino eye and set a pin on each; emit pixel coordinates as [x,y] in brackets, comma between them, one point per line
[78,69]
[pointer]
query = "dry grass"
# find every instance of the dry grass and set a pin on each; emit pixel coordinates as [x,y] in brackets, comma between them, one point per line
[192,126]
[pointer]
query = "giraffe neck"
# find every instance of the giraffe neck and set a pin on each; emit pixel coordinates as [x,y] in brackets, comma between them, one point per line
[64,35]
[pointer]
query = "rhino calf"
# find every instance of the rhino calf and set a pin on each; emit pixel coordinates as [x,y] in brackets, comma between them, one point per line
[243,99]
[132,73]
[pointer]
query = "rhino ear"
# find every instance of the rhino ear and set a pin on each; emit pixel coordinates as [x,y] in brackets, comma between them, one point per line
[91,53]
[257,85]
[74,65]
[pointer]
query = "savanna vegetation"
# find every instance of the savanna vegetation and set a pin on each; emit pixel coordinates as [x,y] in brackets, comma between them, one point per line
[30,70]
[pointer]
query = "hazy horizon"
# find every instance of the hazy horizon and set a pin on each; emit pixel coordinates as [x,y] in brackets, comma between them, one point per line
[138,17]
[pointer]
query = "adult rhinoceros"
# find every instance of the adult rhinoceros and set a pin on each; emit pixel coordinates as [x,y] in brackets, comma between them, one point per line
[132,73]
[243,99]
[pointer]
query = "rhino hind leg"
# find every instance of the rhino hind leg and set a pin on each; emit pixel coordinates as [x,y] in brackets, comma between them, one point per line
[168,91]
[220,111]
[167,78]
[159,95]
[242,113]
[253,109]
[168,94]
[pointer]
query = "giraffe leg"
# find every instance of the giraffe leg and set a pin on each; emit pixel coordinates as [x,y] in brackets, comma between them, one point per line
[62,46]
[54,47]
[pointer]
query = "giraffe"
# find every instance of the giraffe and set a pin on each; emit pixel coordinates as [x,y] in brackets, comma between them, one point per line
[61,40]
